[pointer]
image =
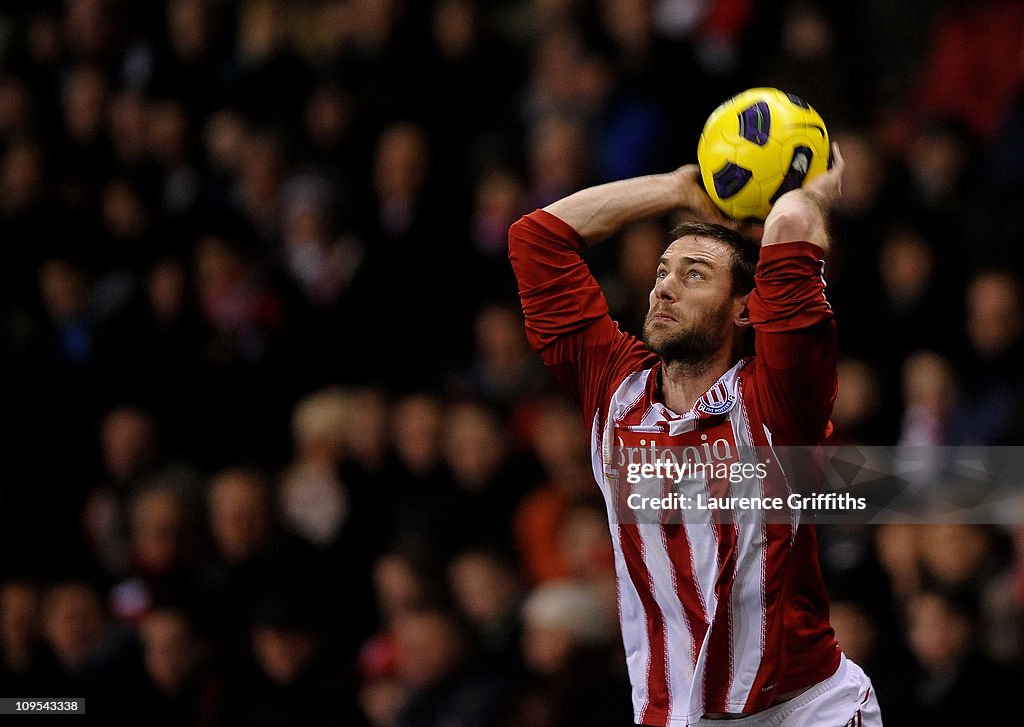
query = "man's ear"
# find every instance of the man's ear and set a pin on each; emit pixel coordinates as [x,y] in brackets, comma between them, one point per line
[742,315]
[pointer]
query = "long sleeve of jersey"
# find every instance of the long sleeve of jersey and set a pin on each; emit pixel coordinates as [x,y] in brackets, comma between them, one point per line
[795,342]
[567,318]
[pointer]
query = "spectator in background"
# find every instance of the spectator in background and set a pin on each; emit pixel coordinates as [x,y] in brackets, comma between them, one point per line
[991,385]
[899,552]
[188,63]
[131,453]
[162,546]
[272,80]
[818,62]
[558,158]
[331,133]
[858,416]
[171,150]
[256,188]
[929,399]
[416,440]
[291,680]
[253,557]
[156,332]
[553,88]
[323,510]
[321,262]
[859,216]
[487,591]
[366,466]
[976,568]
[558,443]
[950,665]
[420,497]
[126,240]
[967,44]
[400,173]
[75,628]
[240,515]
[382,695]
[370,42]
[498,201]
[586,547]
[36,53]
[464,54]
[22,667]
[488,487]
[89,30]
[912,305]
[247,346]
[408,245]
[861,605]
[434,658]
[315,503]
[504,369]
[179,688]
[567,634]
[938,164]
[405,582]
[964,569]
[69,325]
[224,135]
[24,212]
[84,156]
[127,125]
[16,108]
[632,76]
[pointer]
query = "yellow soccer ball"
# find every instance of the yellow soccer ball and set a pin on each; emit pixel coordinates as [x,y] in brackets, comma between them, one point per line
[757,146]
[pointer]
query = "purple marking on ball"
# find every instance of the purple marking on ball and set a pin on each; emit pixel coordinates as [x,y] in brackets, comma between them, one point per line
[798,101]
[730,179]
[797,172]
[756,123]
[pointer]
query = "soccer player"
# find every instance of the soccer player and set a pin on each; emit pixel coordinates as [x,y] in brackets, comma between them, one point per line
[720,619]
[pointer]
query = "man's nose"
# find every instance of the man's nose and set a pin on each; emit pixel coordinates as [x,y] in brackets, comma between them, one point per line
[664,289]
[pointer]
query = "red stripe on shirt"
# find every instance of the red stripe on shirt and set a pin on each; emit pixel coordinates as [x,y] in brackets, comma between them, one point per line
[657,667]
[678,547]
[718,678]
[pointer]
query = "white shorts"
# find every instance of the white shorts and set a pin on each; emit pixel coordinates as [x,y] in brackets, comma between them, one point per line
[845,699]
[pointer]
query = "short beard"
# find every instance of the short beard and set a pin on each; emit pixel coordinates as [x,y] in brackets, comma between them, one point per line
[691,348]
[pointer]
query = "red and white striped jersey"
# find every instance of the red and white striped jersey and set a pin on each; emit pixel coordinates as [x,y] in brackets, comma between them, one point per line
[716,616]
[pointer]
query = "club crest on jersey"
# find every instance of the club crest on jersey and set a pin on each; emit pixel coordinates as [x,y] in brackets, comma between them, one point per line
[716,400]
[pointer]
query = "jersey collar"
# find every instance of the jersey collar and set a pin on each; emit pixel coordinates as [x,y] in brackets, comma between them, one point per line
[714,403]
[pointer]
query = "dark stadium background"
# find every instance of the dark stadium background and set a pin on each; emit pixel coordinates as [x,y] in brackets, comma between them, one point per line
[275,451]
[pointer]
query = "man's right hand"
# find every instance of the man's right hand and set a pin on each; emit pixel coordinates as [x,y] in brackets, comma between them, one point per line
[698,207]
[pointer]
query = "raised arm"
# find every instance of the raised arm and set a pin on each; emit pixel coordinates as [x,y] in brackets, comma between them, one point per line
[802,214]
[599,212]
[567,318]
[795,342]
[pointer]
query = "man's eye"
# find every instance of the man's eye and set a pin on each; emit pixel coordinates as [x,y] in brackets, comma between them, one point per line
[695,274]
[662,274]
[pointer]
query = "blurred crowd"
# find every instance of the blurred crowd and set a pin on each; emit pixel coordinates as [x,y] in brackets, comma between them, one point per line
[276,451]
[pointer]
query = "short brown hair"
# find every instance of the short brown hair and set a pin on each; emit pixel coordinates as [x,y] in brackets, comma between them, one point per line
[744,250]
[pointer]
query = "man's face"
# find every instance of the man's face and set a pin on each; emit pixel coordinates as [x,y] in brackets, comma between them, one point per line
[692,306]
